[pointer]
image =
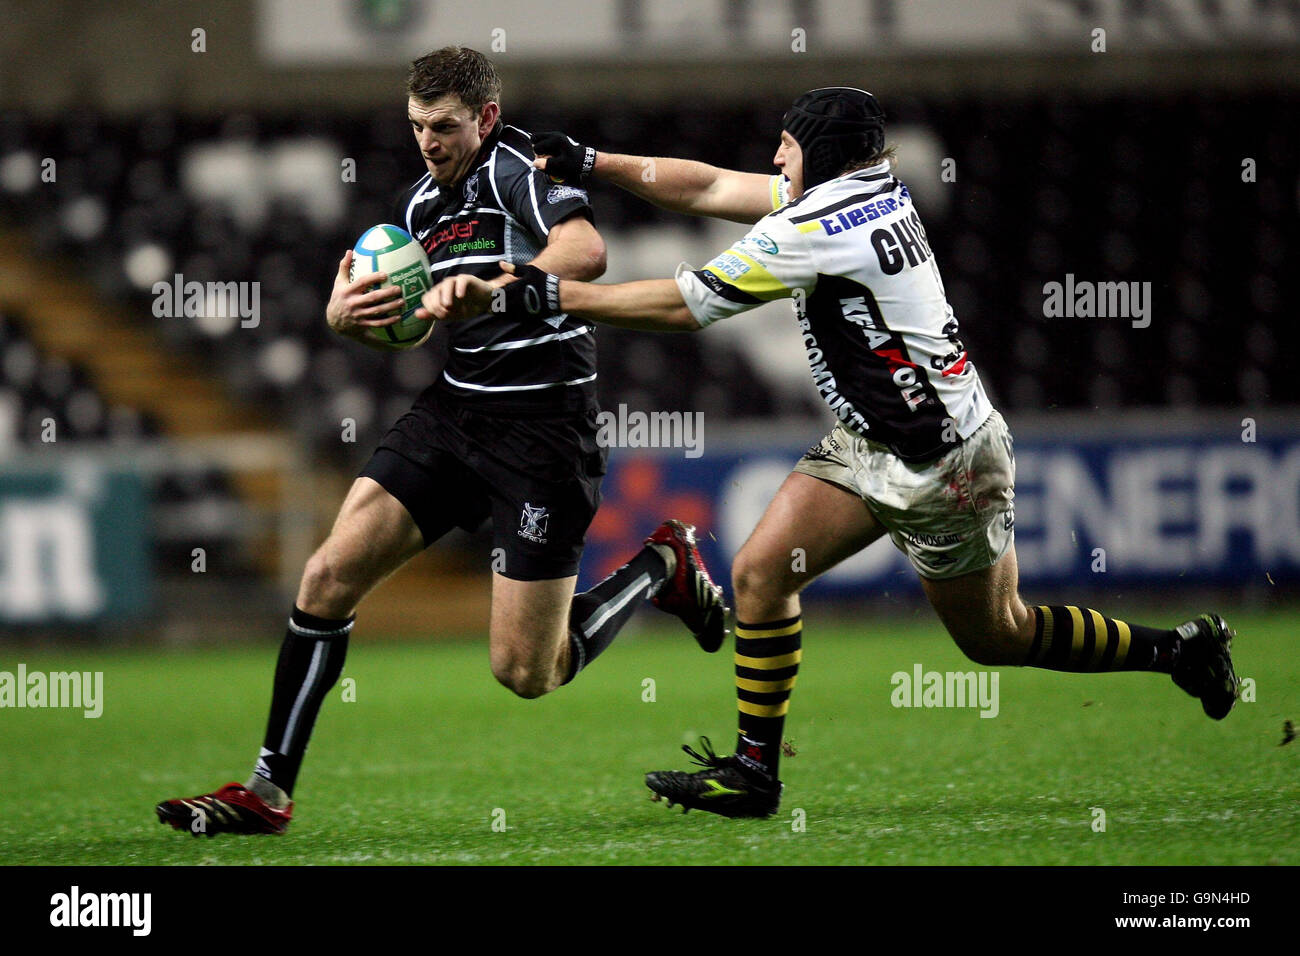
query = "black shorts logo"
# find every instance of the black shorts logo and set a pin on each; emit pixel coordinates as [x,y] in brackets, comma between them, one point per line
[533,522]
[934,540]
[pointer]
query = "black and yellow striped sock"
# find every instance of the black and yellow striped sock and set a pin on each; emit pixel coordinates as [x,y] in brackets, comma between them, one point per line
[1068,638]
[767,660]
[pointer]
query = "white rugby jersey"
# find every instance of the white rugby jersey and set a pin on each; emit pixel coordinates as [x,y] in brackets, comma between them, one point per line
[881,337]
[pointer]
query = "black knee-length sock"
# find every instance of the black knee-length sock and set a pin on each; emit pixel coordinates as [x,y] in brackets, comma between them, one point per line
[596,616]
[311,659]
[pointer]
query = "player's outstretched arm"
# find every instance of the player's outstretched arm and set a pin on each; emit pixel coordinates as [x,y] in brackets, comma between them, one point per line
[650,305]
[687,186]
[679,185]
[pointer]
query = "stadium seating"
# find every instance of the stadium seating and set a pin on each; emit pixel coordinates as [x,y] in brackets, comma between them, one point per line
[46,400]
[1045,186]
[44,395]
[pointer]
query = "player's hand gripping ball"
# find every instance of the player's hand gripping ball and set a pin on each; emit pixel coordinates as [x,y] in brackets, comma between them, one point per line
[390,249]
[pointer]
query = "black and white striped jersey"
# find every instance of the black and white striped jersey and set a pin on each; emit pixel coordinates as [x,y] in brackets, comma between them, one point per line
[504,209]
[880,335]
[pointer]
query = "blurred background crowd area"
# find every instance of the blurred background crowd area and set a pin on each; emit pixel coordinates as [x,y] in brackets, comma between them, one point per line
[252,141]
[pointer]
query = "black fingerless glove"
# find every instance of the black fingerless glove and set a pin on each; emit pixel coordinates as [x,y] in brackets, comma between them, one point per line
[568,161]
[534,293]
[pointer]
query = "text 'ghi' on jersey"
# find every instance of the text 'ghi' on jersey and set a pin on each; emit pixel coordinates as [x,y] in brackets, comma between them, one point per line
[880,335]
[504,209]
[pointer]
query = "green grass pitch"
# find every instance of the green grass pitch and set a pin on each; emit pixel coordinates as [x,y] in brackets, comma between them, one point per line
[433,752]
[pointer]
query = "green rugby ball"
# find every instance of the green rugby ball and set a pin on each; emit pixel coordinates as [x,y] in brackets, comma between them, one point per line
[391,249]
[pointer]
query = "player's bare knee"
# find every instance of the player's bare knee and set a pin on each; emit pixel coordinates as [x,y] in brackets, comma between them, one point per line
[323,587]
[316,573]
[523,676]
[523,680]
[758,581]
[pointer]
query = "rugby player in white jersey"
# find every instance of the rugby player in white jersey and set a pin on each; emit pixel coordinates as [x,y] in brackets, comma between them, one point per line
[918,454]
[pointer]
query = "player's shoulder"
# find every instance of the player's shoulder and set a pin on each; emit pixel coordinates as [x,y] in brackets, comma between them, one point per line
[514,151]
[517,139]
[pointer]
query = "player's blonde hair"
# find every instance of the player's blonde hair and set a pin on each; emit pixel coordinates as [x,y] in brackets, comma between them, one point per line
[888,153]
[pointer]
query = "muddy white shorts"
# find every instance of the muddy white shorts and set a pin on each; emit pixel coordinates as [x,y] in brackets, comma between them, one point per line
[950,516]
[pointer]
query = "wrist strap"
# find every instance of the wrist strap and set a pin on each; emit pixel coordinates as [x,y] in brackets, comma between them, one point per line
[533,292]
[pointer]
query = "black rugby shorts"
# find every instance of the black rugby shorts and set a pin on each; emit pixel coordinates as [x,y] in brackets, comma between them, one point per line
[537,479]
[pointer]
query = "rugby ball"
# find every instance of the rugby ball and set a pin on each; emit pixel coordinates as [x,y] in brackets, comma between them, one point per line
[391,249]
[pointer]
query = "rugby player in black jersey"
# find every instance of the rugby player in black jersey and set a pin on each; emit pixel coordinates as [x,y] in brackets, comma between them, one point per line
[919,452]
[507,432]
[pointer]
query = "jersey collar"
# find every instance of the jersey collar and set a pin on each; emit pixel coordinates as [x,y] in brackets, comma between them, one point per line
[879,171]
[484,151]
